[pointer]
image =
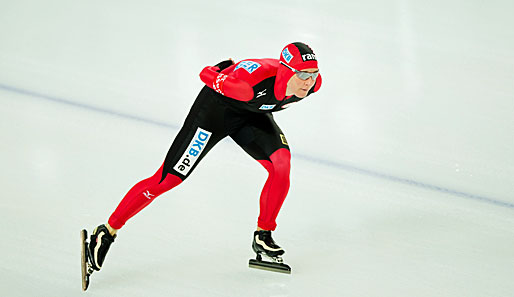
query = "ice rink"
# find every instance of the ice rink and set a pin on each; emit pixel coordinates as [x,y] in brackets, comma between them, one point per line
[402,164]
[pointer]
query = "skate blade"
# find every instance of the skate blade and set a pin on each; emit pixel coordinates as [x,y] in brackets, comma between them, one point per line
[269,266]
[86,270]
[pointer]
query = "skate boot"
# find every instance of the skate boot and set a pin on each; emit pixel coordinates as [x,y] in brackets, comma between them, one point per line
[263,244]
[99,244]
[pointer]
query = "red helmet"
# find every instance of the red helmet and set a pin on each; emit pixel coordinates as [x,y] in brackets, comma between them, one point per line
[297,55]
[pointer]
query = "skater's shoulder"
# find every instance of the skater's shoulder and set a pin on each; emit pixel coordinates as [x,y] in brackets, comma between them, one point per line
[255,70]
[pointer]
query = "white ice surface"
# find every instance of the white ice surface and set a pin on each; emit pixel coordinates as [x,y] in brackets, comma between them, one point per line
[402,174]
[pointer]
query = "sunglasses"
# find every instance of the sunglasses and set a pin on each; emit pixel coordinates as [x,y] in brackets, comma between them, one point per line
[303,75]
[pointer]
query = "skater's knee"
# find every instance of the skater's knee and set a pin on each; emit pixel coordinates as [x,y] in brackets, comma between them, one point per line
[163,182]
[281,162]
[170,181]
[164,179]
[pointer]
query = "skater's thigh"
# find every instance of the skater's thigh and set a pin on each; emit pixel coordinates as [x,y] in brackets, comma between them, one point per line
[202,129]
[260,137]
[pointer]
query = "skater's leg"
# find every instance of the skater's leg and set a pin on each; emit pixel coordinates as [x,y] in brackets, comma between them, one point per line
[262,139]
[276,188]
[202,129]
[140,195]
[136,199]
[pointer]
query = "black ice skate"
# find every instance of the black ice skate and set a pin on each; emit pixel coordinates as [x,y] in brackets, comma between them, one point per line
[99,244]
[94,252]
[263,244]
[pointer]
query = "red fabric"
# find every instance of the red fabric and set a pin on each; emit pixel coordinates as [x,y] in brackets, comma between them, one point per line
[218,83]
[141,195]
[237,82]
[296,61]
[284,73]
[231,87]
[272,197]
[267,68]
[275,190]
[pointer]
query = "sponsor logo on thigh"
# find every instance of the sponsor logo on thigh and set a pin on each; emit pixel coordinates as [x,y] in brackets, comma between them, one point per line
[193,151]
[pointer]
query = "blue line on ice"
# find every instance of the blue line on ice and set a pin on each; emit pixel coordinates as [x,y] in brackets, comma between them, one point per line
[332,164]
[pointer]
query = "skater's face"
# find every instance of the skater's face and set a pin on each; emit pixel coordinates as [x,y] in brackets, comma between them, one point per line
[301,87]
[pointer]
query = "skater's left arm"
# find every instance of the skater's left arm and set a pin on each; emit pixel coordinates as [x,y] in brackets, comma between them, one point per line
[226,84]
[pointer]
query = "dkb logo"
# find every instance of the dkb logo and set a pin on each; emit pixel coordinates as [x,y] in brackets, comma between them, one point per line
[193,151]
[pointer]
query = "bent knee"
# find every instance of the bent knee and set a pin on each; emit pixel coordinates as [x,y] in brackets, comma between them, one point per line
[169,182]
[281,162]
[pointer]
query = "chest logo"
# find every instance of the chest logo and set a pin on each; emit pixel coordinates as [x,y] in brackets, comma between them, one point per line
[267,107]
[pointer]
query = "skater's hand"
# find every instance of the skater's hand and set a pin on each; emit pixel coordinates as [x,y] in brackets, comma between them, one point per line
[224,64]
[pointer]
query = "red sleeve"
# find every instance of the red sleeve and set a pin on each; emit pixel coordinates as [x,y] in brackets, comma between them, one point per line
[227,85]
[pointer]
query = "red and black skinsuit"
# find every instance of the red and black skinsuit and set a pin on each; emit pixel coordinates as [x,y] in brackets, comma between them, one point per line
[237,101]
